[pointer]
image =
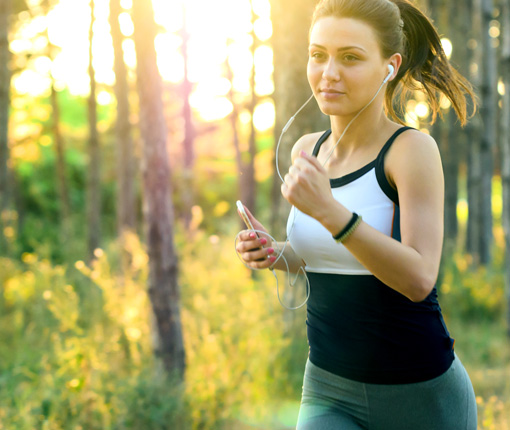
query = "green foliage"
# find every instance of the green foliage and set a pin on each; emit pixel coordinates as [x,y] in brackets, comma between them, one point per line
[474,293]
[78,355]
[233,334]
[76,343]
[76,352]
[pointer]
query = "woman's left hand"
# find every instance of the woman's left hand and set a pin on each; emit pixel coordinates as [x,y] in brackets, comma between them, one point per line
[307,186]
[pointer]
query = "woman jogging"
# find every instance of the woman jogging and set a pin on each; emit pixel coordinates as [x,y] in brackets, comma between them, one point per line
[367,226]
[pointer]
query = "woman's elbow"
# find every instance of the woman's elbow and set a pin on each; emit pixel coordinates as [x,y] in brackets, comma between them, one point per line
[422,288]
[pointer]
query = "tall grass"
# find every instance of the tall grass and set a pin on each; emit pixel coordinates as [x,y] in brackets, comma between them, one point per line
[77,342]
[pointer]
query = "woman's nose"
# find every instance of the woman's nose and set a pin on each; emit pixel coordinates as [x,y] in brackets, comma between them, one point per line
[331,71]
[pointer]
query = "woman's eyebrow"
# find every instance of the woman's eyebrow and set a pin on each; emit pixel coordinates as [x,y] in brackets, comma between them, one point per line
[344,48]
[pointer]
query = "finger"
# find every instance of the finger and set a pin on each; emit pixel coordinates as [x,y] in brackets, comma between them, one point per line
[264,264]
[289,180]
[294,169]
[285,192]
[247,235]
[257,256]
[303,165]
[311,159]
[247,241]
[302,170]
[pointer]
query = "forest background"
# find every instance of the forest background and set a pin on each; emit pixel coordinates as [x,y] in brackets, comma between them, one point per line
[128,129]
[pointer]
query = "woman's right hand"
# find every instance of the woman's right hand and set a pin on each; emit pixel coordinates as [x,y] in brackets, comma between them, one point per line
[256,249]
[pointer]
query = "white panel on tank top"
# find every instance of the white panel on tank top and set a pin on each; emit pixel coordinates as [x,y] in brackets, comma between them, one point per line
[314,243]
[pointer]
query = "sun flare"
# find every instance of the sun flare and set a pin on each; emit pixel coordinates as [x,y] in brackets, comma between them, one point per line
[220,36]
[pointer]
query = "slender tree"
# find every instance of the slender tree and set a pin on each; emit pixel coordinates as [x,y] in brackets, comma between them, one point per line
[446,131]
[189,130]
[5,84]
[454,155]
[63,187]
[247,179]
[505,145]
[290,46]
[235,130]
[465,58]
[61,168]
[488,137]
[94,180]
[474,165]
[126,211]
[158,209]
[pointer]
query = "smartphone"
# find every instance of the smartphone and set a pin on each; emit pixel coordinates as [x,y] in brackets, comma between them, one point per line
[244,215]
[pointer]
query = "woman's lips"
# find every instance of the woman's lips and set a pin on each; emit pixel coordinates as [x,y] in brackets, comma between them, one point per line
[329,93]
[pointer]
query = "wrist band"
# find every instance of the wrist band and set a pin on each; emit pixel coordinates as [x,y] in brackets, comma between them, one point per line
[354,222]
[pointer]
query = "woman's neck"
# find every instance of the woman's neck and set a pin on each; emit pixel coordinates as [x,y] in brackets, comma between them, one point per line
[362,133]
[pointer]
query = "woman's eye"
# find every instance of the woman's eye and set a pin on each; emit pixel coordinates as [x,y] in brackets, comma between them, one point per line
[350,58]
[317,55]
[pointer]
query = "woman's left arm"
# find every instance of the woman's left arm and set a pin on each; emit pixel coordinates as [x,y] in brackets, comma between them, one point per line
[414,165]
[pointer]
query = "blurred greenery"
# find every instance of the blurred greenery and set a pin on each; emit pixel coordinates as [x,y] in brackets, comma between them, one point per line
[76,341]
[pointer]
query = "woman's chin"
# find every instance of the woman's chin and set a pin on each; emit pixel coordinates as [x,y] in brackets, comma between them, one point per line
[331,110]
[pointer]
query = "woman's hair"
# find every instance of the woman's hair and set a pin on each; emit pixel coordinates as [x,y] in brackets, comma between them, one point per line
[402,28]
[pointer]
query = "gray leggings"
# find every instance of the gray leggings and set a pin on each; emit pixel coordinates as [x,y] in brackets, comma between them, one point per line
[331,402]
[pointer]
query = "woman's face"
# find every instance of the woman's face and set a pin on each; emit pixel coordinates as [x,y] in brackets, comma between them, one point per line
[345,65]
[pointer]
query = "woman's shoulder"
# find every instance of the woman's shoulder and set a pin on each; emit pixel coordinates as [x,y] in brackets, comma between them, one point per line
[412,144]
[305,143]
[412,151]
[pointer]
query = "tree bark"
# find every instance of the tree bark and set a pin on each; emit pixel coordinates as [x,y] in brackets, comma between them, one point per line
[94,180]
[247,182]
[126,208]
[474,169]
[158,210]
[488,140]
[290,46]
[465,59]
[63,189]
[455,153]
[446,134]
[61,170]
[505,146]
[189,131]
[5,85]
[235,133]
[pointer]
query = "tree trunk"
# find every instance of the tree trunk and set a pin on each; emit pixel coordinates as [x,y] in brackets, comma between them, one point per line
[455,154]
[474,169]
[63,189]
[248,185]
[158,210]
[235,133]
[189,132]
[94,180]
[465,59]
[290,46]
[5,86]
[488,114]
[126,208]
[505,146]
[61,170]
[446,135]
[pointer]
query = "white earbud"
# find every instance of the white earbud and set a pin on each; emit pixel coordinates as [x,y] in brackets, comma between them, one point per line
[391,69]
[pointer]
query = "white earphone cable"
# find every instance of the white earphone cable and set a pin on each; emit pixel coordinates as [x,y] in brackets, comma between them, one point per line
[280,253]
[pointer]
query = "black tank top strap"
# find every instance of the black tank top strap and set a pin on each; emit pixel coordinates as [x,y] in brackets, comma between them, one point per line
[379,166]
[319,143]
